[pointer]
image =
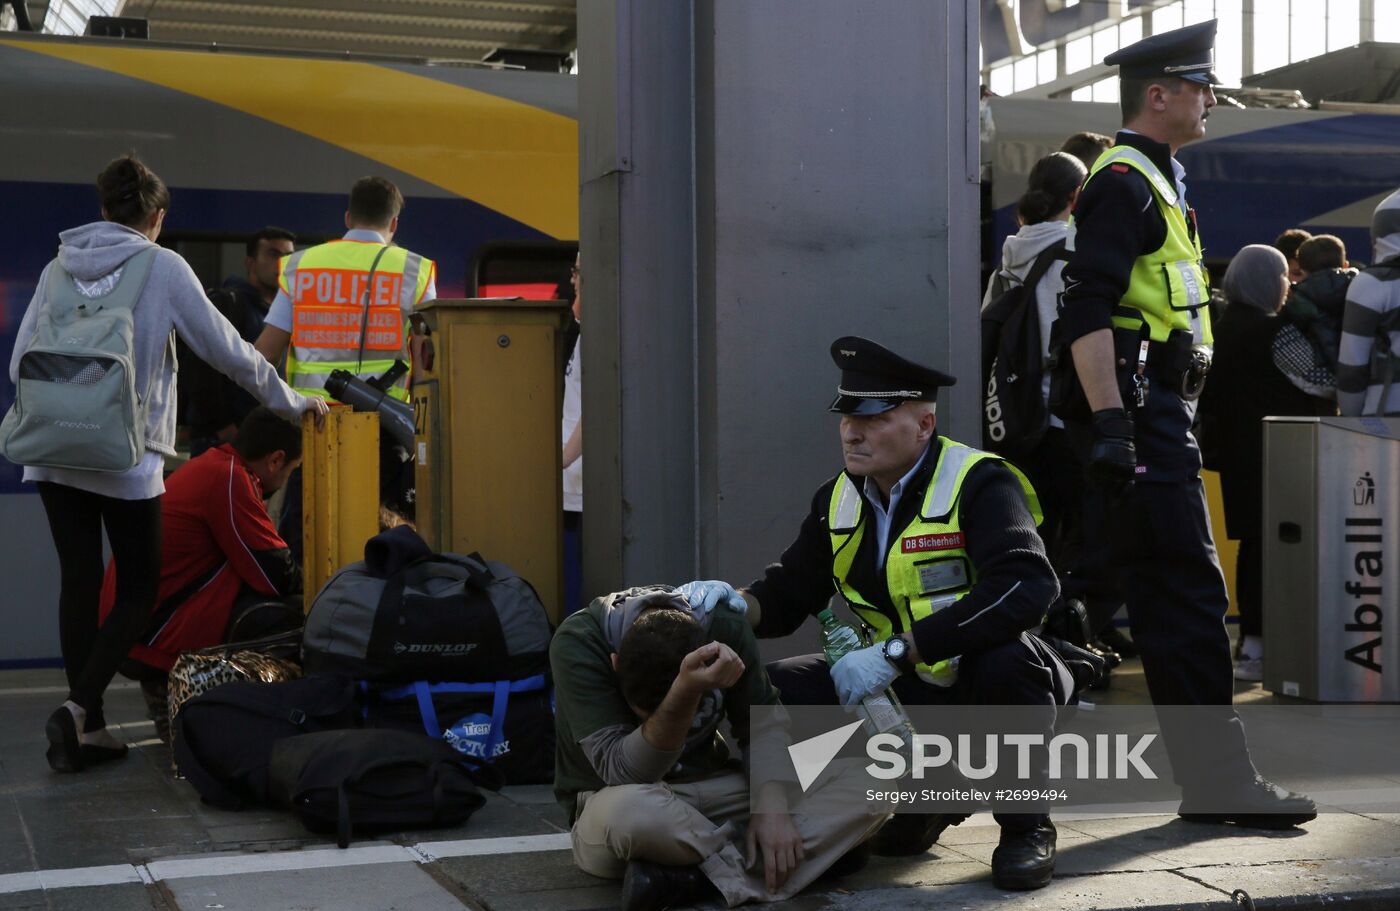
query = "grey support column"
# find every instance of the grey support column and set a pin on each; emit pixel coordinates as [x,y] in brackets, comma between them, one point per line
[757,180]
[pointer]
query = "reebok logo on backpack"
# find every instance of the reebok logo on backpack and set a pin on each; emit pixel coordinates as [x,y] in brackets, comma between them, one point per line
[75,395]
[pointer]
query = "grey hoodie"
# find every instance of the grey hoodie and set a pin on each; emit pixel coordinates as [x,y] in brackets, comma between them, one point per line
[173,301]
[1017,256]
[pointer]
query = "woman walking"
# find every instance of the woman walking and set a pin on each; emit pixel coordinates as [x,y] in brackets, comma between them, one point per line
[92,260]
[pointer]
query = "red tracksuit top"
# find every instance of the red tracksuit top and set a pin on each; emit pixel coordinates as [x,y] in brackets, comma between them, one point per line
[217,539]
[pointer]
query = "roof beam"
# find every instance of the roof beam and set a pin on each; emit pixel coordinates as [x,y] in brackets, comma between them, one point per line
[419,27]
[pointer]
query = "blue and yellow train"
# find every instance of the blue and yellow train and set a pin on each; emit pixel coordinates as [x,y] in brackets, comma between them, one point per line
[487,161]
[483,156]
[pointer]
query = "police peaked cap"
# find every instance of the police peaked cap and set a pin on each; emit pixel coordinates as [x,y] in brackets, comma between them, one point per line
[1187,53]
[874,379]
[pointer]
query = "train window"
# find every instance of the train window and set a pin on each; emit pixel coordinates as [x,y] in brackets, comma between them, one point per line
[217,256]
[535,270]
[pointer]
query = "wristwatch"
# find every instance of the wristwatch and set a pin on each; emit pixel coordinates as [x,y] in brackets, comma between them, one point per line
[896,652]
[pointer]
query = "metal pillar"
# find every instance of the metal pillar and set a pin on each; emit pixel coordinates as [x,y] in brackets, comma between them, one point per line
[757,180]
[339,463]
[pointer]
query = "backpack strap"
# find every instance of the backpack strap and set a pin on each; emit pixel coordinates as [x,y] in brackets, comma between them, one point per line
[1043,262]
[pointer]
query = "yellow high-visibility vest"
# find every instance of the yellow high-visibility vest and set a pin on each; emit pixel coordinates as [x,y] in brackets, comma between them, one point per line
[1170,286]
[926,567]
[327,285]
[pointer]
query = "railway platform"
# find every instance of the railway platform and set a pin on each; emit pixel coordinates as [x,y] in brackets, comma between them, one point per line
[131,837]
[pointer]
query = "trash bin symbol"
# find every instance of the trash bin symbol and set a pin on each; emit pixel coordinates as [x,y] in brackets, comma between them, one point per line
[1365,492]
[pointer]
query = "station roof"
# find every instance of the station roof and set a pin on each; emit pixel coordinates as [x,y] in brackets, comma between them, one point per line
[452,29]
[1368,73]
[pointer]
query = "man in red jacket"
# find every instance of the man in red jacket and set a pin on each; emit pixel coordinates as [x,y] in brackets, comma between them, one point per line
[219,547]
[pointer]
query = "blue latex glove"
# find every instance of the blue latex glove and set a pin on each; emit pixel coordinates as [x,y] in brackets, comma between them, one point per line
[862,673]
[704,596]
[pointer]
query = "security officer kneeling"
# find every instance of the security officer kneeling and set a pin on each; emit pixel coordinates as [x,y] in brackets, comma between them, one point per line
[949,630]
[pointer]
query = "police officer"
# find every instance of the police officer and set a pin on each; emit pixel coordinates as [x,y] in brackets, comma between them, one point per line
[1135,312]
[344,305]
[934,545]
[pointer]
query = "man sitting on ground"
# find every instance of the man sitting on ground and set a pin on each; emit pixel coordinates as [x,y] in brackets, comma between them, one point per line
[220,548]
[642,682]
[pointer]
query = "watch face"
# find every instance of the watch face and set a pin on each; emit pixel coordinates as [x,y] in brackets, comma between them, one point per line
[896,648]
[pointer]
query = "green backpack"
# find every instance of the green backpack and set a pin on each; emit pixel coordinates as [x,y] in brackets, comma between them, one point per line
[75,395]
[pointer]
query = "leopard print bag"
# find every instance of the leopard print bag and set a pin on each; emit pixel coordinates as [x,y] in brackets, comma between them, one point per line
[270,660]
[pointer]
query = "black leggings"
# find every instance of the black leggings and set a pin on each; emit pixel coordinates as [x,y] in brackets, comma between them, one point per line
[92,653]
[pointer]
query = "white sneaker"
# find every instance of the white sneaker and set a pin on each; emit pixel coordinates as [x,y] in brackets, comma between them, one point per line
[1249,669]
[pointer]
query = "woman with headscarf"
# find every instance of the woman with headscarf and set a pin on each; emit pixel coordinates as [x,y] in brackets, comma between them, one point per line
[1246,384]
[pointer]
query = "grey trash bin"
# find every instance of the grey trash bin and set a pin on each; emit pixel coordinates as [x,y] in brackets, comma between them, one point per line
[1332,558]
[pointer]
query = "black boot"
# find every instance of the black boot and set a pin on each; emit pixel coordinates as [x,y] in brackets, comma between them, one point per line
[651,887]
[1025,859]
[907,834]
[1111,658]
[1260,804]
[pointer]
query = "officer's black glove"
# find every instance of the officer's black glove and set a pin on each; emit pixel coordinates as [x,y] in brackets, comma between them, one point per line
[1113,457]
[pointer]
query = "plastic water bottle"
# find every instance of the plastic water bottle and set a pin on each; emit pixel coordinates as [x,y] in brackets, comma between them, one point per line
[882,712]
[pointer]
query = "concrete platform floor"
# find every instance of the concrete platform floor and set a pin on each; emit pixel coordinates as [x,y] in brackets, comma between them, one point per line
[129,836]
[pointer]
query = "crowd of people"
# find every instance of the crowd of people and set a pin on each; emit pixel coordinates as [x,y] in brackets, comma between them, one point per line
[1280,318]
[951,555]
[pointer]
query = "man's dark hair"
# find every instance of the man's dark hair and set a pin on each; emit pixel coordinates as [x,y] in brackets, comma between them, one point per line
[1132,93]
[1289,241]
[263,433]
[269,233]
[1087,147]
[374,201]
[1322,251]
[650,654]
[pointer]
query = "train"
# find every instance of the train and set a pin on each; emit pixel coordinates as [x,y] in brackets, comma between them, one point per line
[486,158]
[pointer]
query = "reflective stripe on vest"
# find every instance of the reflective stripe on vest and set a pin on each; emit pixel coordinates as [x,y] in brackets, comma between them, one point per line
[327,284]
[926,566]
[1169,286]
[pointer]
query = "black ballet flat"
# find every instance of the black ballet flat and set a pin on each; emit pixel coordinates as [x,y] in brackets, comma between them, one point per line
[94,753]
[65,753]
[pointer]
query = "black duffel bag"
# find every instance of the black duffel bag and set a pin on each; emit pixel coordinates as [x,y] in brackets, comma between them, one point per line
[371,781]
[405,614]
[225,736]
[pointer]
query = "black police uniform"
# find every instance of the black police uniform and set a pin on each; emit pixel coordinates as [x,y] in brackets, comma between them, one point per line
[1158,531]
[1001,663]
[999,666]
